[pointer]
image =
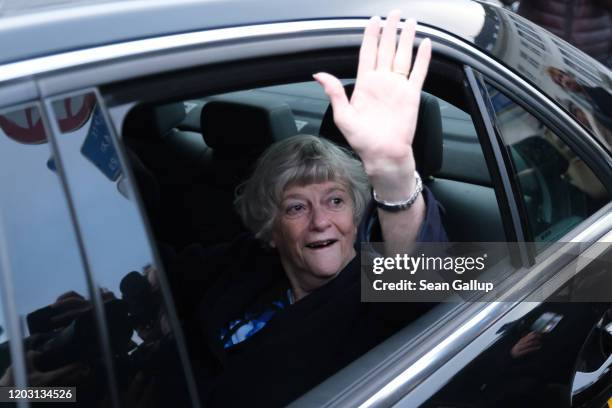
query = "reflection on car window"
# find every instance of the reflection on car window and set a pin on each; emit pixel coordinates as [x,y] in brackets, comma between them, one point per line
[49,282]
[146,362]
[5,352]
[558,189]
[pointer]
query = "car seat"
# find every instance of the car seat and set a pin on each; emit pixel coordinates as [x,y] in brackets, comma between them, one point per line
[237,128]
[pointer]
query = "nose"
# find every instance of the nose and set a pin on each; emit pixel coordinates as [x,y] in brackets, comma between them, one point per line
[319,219]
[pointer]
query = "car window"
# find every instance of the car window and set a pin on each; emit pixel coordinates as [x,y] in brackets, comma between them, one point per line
[141,331]
[199,150]
[558,189]
[50,289]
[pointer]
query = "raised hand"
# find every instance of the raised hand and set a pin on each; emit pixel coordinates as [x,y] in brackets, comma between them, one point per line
[380,119]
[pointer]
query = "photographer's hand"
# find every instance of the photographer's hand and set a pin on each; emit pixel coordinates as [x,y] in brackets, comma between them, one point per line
[527,344]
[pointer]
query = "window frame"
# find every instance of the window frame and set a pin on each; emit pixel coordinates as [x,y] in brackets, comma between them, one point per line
[379,377]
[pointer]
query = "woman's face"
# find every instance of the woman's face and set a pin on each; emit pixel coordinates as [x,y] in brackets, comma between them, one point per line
[315,232]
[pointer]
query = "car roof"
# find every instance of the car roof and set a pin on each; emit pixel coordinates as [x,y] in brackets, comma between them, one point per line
[40,27]
[36,28]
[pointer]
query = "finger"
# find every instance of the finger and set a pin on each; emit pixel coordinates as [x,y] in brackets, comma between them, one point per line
[69,294]
[337,96]
[528,350]
[530,344]
[403,55]
[369,47]
[421,64]
[70,302]
[386,47]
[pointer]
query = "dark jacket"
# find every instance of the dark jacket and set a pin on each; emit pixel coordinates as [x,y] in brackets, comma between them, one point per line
[302,345]
[586,24]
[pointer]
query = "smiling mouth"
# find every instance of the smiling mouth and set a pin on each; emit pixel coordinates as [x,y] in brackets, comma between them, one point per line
[321,244]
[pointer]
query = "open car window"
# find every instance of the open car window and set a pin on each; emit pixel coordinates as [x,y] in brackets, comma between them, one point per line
[189,156]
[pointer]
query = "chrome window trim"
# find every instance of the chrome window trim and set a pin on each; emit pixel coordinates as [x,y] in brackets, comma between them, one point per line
[576,265]
[475,84]
[596,232]
[424,391]
[393,391]
[73,59]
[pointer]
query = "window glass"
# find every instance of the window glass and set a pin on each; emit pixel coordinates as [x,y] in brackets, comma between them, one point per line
[146,361]
[51,293]
[558,189]
[5,351]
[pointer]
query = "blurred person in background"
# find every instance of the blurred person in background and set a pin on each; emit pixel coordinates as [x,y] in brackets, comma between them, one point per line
[586,24]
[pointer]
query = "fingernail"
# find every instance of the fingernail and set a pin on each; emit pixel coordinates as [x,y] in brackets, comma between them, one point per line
[375,18]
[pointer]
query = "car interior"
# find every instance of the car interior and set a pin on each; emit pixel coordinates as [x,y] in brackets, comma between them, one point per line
[189,156]
[190,153]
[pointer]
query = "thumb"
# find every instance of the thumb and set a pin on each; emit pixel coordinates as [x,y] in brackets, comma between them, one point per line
[337,96]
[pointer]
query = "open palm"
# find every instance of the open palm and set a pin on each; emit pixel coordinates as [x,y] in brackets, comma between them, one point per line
[380,119]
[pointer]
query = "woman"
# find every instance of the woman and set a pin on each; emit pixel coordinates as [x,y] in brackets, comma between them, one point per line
[278,311]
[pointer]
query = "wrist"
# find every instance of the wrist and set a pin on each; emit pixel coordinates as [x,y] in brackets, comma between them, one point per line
[394,183]
[401,165]
[400,204]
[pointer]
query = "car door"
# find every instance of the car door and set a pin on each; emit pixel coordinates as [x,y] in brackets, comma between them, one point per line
[555,255]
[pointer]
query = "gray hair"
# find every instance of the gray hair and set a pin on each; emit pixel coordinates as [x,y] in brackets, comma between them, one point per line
[301,160]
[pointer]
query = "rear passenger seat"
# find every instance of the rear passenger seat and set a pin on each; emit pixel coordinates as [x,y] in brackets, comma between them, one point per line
[171,154]
[198,172]
[165,162]
[237,128]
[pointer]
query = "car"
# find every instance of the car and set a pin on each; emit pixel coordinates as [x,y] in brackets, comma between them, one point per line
[125,128]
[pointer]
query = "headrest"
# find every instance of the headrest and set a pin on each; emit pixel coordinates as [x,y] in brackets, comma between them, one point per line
[244,122]
[427,144]
[148,187]
[147,121]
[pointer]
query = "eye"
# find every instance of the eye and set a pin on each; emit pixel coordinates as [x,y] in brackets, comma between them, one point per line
[336,202]
[295,209]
